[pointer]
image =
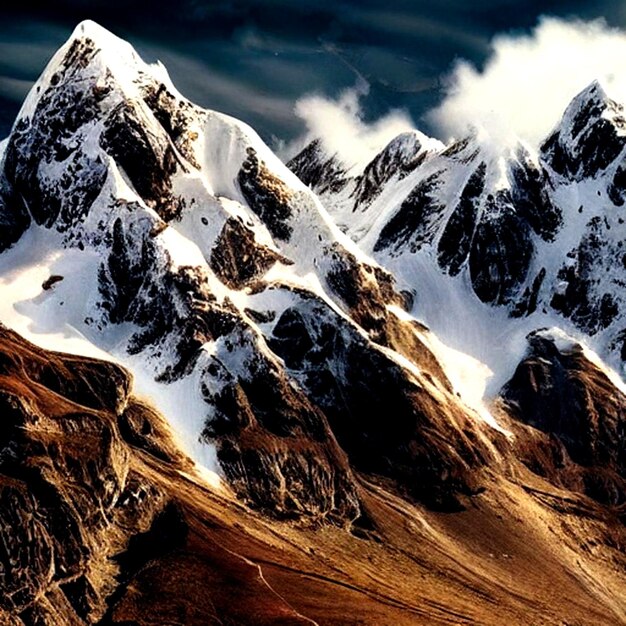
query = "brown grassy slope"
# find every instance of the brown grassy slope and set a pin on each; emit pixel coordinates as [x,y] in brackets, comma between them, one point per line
[522,552]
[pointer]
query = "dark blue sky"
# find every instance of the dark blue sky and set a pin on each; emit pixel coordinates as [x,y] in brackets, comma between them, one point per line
[254,58]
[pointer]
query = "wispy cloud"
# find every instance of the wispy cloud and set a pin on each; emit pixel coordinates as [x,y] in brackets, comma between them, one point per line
[14,89]
[529,80]
[340,125]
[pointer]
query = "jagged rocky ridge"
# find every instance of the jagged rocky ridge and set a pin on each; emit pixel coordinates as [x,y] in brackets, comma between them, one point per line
[529,241]
[69,489]
[581,417]
[172,239]
[211,266]
[208,264]
[537,233]
[105,521]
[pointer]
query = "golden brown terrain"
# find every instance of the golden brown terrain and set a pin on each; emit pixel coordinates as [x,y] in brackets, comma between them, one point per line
[103,521]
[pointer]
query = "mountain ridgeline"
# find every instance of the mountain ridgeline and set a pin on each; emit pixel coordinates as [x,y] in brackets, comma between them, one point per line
[292,328]
[532,232]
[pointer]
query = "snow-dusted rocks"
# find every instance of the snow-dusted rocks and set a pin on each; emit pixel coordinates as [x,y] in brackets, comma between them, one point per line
[538,234]
[292,367]
[571,400]
[324,173]
[475,210]
[590,137]
[202,263]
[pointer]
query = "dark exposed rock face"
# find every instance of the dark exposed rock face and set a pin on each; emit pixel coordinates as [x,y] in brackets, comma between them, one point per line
[273,443]
[566,397]
[527,304]
[382,433]
[490,231]
[503,244]
[266,195]
[70,496]
[175,115]
[580,298]
[456,240]
[285,485]
[14,216]
[530,197]
[417,221]
[174,308]
[49,136]
[399,158]
[321,172]
[617,188]
[238,259]
[55,134]
[365,290]
[344,388]
[501,251]
[148,160]
[149,139]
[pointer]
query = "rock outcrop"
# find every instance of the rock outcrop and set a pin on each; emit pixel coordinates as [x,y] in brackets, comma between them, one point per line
[105,521]
[218,269]
[581,415]
[71,494]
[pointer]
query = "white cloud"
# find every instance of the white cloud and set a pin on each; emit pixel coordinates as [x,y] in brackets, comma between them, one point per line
[528,81]
[340,125]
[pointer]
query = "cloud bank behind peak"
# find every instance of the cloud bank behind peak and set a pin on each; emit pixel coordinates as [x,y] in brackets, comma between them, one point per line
[519,93]
[528,80]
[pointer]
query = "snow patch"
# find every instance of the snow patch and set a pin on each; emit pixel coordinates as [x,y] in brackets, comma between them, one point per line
[186,411]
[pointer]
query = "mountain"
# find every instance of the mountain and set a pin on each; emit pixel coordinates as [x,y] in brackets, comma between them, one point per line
[534,235]
[204,265]
[298,446]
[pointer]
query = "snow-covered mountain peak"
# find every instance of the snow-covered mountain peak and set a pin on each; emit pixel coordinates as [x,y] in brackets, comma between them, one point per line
[590,136]
[93,54]
[540,235]
[595,91]
[588,107]
[348,190]
[401,156]
[410,143]
[141,228]
[98,102]
[175,240]
[110,47]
